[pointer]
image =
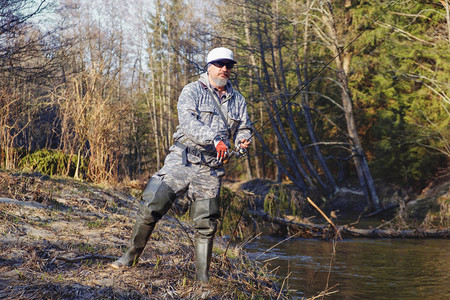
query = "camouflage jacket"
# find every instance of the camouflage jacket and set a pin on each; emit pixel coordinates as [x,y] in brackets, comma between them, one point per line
[200,122]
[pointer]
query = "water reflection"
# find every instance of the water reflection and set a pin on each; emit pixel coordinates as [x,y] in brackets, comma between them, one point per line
[363,268]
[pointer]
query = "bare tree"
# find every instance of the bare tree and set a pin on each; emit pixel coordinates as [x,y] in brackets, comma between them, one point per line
[25,67]
[325,25]
[11,125]
[271,57]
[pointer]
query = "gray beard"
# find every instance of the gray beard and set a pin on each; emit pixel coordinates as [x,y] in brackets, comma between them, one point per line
[220,82]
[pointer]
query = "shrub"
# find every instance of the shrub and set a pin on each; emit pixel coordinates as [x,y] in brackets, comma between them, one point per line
[280,201]
[52,162]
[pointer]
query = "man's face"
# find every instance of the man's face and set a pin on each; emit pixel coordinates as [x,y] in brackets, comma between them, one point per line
[219,72]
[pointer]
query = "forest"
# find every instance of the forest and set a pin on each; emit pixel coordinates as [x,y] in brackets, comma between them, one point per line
[350,101]
[341,92]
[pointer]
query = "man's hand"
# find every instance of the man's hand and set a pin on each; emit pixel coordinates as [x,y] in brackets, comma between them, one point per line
[222,150]
[244,143]
[241,148]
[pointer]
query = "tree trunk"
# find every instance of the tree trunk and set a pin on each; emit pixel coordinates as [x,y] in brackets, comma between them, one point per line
[259,173]
[359,159]
[77,169]
[333,188]
[342,59]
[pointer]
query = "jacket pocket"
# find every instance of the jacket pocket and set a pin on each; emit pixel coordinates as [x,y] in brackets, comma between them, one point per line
[205,114]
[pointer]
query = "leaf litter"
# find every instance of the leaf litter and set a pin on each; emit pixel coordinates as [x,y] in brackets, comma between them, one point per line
[58,236]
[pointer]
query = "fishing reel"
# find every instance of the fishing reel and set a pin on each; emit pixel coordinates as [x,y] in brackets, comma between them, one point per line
[240,152]
[237,153]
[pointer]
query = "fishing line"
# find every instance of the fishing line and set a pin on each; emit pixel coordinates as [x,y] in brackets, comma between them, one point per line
[323,68]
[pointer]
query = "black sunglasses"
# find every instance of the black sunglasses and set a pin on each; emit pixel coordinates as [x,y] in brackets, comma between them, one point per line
[220,64]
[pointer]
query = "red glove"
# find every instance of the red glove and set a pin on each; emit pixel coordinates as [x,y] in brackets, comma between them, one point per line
[222,151]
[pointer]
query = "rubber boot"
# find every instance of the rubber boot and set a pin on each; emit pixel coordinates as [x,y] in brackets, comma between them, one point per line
[203,252]
[139,238]
[204,213]
[157,199]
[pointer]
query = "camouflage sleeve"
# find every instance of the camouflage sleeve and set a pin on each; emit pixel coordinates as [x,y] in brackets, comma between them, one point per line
[244,130]
[190,118]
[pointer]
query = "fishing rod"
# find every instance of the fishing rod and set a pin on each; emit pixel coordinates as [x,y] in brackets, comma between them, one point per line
[240,152]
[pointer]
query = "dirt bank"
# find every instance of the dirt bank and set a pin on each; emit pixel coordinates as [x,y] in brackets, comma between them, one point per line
[58,236]
[404,214]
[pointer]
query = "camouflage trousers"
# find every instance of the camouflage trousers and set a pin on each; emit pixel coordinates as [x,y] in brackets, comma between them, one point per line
[200,183]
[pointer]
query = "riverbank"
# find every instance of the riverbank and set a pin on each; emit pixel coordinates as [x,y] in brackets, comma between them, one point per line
[280,209]
[58,236]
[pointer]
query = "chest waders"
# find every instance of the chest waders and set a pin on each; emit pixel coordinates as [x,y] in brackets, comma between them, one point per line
[157,199]
[202,183]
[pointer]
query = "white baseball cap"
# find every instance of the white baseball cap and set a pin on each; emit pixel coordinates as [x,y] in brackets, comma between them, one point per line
[220,53]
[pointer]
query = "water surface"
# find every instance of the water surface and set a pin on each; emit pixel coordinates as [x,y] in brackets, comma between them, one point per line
[362,268]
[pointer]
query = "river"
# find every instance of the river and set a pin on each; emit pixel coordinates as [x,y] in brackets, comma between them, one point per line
[362,268]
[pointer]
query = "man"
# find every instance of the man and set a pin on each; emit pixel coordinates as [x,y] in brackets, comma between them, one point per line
[212,116]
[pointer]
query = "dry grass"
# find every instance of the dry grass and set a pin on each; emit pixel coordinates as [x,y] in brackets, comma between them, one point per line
[59,235]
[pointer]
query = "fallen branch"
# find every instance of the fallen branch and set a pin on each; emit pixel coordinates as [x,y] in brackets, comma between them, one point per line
[327,292]
[280,221]
[325,216]
[346,231]
[390,233]
[282,286]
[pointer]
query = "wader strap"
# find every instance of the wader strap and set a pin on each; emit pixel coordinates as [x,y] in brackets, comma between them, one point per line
[216,102]
[184,151]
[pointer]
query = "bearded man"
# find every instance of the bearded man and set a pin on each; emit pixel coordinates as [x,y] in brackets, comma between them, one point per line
[212,116]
